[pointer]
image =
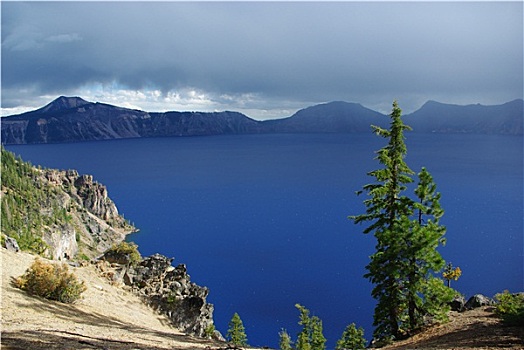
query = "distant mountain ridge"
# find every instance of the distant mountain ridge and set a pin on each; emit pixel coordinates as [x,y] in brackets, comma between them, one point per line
[72,119]
[332,117]
[444,118]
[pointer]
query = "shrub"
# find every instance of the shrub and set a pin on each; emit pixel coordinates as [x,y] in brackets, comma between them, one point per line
[510,308]
[210,330]
[436,304]
[51,281]
[129,249]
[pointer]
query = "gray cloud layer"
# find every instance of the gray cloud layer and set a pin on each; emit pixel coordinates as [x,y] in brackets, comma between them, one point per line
[285,54]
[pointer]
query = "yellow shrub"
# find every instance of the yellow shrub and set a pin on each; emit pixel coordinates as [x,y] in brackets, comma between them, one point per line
[51,281]
[452,274]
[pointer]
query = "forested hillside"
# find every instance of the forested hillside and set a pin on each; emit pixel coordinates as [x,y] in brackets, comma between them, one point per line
[58,214]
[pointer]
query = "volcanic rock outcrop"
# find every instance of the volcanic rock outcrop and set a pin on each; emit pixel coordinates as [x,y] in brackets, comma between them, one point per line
[165,288]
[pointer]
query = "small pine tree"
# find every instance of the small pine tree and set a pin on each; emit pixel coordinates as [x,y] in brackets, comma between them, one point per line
[285,340]
[352,339]
[236,333]
[303,338]
[318,341]
[311,336]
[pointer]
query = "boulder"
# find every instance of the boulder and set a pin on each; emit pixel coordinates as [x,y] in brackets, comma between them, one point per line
[114,257]
[217,336]
[457,304]
[153,267]
[11,244]
[478,300]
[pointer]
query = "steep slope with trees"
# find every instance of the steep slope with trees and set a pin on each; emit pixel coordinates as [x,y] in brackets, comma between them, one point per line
[57,214]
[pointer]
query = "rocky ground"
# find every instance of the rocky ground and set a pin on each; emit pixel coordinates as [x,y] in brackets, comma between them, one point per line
[479,328]
[474,329]
[111,318]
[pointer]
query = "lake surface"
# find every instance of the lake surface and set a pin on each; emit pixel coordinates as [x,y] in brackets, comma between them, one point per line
[262,219]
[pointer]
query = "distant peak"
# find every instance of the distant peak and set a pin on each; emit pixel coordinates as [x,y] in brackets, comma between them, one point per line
[342,103]
[335,105]
[432,102]
[69,98]
[64,102]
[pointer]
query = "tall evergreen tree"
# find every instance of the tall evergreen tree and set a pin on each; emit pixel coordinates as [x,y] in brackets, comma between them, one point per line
[387,210]
[236,332]
[407,232]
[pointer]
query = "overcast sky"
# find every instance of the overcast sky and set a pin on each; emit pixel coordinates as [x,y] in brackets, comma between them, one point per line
[265,59]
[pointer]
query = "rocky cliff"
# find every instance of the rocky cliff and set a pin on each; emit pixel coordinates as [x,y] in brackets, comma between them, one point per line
[56,213]
[71,119]
[165,288]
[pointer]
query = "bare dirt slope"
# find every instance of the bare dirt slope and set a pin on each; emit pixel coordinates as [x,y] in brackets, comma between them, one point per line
[107,317]
[474,329]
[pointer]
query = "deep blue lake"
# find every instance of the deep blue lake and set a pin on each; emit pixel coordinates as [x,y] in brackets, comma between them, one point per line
[262,219]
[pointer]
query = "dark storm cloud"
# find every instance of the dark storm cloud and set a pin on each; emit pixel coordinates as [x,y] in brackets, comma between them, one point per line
[302,52]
